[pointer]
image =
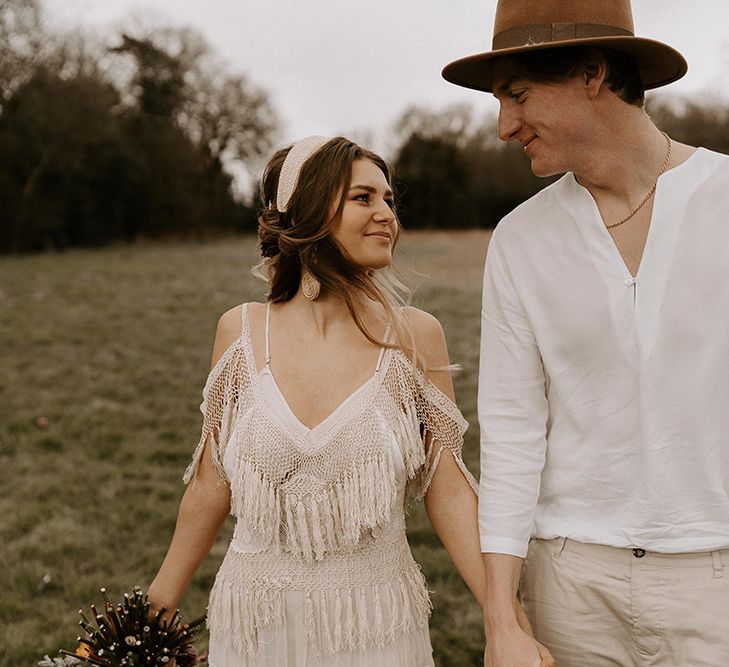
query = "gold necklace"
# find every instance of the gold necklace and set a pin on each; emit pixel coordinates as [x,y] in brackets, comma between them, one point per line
[650,192]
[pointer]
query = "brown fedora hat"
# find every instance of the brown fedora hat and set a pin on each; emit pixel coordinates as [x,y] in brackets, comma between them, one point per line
[533,25]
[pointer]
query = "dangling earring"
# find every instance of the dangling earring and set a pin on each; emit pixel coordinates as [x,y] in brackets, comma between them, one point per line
[310,286]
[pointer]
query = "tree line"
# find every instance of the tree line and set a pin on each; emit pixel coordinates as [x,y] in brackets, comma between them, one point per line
[104,143]
[454,171]
[139,138]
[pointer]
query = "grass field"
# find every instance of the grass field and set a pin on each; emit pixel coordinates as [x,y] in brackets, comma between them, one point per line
[112,348]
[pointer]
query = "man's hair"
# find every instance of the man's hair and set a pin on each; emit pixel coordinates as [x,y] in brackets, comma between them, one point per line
[557,65]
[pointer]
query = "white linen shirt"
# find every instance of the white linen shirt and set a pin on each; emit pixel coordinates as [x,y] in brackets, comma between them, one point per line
[603,398]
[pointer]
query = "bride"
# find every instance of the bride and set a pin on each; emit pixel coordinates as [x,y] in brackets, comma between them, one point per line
[326,411]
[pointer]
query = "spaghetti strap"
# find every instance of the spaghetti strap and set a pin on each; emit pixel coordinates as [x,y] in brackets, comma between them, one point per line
[243,318]
[268,320]
[382,349]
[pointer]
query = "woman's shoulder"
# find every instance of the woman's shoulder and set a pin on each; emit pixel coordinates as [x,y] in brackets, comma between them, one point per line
[428,334]
[230,327]
[421,321]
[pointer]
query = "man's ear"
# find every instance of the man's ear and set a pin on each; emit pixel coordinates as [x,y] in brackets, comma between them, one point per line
[595,71]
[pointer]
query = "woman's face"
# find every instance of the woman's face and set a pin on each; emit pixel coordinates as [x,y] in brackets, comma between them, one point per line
[367,229]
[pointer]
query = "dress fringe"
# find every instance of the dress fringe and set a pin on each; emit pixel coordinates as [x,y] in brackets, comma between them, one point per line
[356,618]
[313,525]
[235,616]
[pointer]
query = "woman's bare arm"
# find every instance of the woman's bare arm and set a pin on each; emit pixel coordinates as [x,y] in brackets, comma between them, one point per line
[450,502]
[203,508]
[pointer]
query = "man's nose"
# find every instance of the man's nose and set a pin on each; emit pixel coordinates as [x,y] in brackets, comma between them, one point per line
[509,123]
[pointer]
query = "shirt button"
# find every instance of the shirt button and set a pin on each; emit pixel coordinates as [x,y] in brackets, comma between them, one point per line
[639,553]
[630,281]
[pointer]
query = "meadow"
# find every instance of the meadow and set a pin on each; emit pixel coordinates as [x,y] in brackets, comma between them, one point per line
[103,356]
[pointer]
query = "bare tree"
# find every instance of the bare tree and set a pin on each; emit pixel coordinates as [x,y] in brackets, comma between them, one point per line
[21,41]
[225,115]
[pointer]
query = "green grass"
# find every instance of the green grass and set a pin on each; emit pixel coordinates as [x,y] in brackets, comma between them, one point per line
[112,347]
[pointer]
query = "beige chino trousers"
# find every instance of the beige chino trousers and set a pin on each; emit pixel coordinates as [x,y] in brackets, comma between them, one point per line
[598,606]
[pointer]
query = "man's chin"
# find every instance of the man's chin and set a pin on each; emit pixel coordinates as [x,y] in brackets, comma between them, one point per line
[544,171]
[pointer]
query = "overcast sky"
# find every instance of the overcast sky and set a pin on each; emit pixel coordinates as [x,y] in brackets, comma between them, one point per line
[353,66]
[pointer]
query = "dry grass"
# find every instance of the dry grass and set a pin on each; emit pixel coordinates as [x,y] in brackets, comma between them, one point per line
[112,347]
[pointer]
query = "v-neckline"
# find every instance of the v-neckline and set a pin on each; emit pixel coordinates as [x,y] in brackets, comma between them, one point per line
[332,423]
[657,214]
[608,240]
[324,424]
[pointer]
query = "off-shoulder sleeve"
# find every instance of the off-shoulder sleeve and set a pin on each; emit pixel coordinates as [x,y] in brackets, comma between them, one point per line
[220,405]
[440,426]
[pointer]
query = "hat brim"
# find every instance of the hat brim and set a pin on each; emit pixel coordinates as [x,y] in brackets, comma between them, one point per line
[658,64]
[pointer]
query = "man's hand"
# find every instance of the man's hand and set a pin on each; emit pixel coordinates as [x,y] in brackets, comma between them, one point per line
[523,621]
[515,648]
[545,656]
[509,636]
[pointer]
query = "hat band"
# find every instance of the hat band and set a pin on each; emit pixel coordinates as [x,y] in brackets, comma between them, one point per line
[543,33]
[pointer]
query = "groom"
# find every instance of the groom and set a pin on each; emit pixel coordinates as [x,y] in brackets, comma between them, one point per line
[604,381]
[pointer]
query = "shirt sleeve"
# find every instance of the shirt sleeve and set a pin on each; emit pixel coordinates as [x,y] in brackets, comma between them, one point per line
[513,412]
[219,408]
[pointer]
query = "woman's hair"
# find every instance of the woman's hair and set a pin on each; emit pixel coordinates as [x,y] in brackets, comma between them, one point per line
[302,238]
[557,65]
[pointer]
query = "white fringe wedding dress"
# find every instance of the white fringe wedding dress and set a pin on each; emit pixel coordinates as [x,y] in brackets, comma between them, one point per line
[319,572]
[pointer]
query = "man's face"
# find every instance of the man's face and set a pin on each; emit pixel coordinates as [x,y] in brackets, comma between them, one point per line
[549,119]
